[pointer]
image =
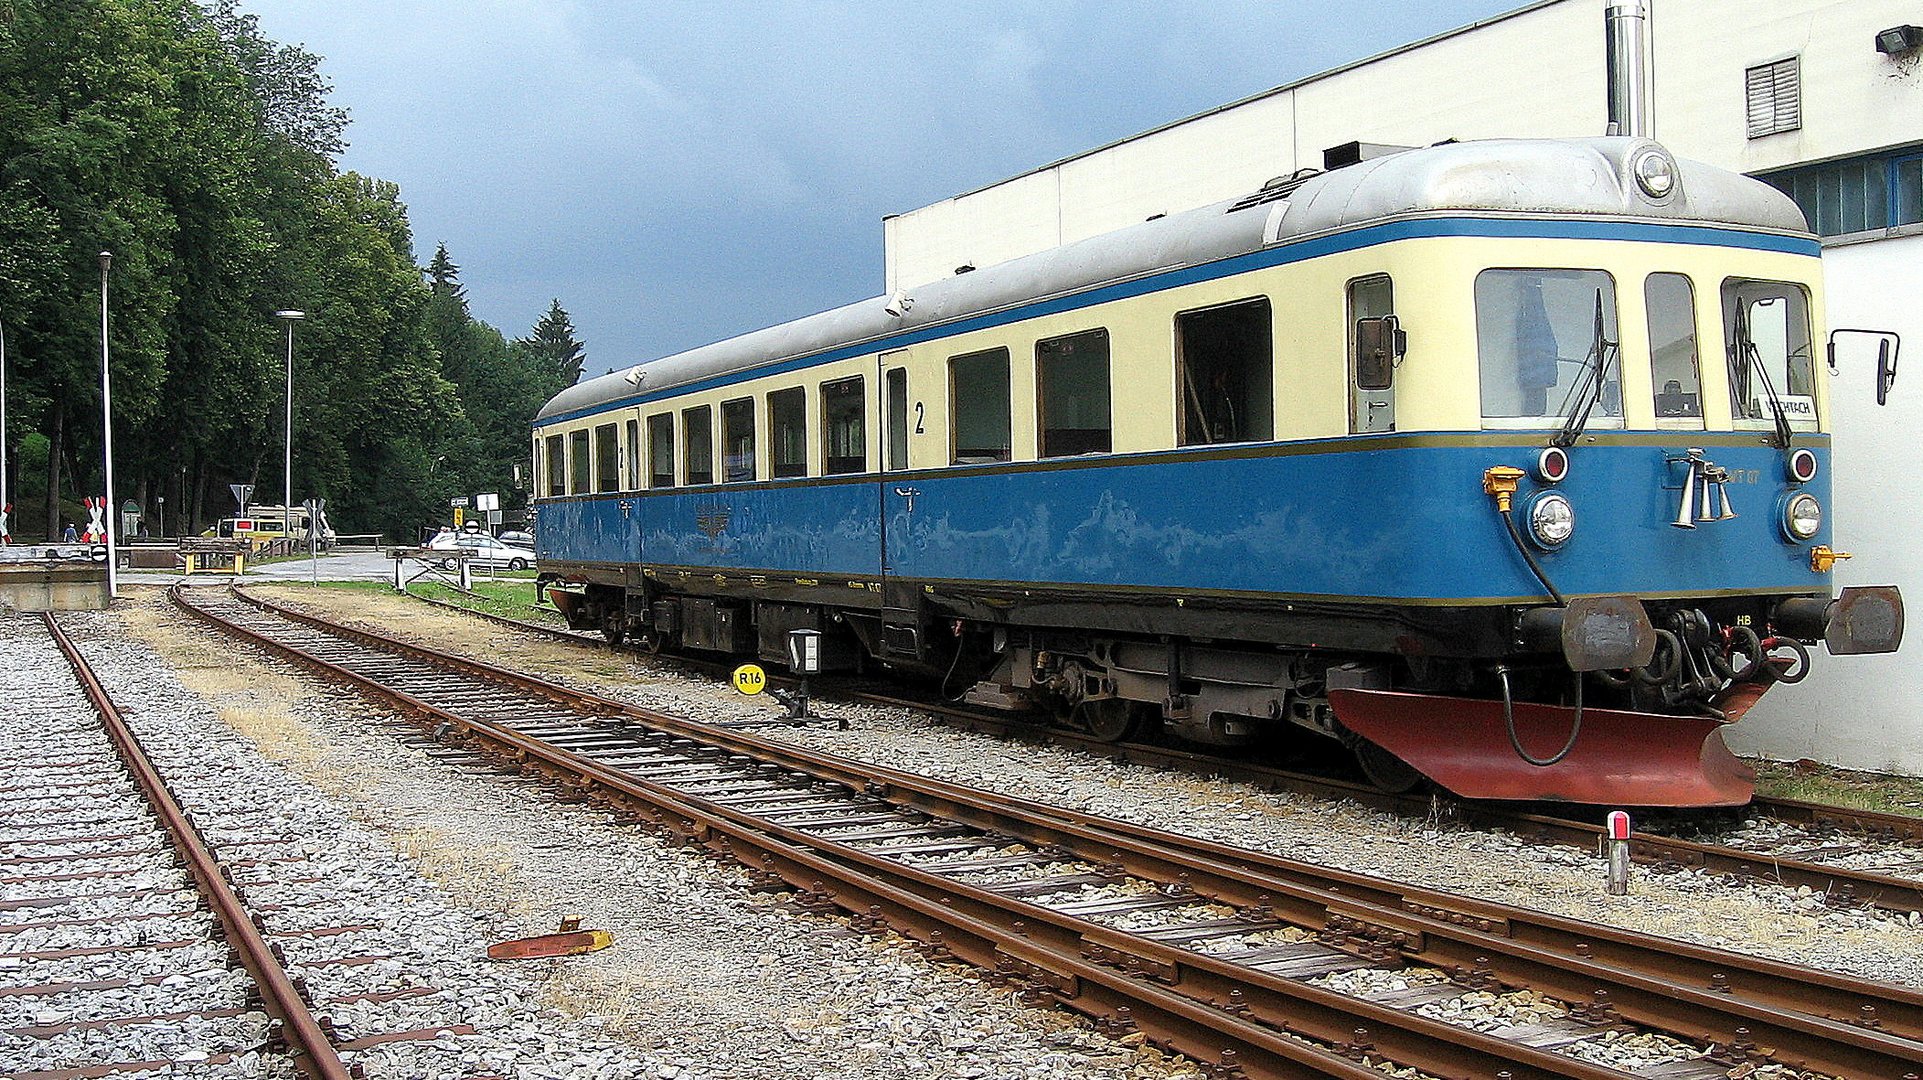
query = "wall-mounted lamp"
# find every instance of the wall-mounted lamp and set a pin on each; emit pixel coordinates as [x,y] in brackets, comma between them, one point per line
[1899,39]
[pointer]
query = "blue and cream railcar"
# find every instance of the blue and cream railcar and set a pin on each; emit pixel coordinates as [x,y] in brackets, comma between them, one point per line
[1456,455]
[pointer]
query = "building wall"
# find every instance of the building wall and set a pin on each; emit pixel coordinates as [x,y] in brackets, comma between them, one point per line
[1538,71]
[1854,98]
[1864,712]
[1402,98]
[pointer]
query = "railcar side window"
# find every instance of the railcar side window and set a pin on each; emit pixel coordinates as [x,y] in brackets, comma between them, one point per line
[607,458]
[1225,373]
[788,427]
[738,440]
[1767,337]
[634,455]
[1072,394]
[661,451]
[1540,337]
[697,432]
[844,427]
[978,406]
[556,453]
[582,470]
[1672,348]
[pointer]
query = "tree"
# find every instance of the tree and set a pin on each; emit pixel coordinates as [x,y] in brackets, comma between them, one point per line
[554,344]
[202,155]
[444,276]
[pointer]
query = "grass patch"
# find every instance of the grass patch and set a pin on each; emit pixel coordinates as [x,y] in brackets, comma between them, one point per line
[349,586]
[478,876]
[508,599]
[1841,787]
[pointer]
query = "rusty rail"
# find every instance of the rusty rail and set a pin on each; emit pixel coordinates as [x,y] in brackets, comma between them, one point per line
[313,1054]
[1820,1020]
[1841,885]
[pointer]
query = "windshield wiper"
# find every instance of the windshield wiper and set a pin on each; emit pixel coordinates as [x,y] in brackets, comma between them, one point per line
[1752,358]
[1590,391]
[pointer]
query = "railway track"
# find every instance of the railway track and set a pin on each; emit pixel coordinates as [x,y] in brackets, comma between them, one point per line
[1254,964]
[1849,856]
[122,930]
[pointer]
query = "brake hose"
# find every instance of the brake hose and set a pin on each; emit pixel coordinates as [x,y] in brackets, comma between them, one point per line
[1500,483]
[1509,722]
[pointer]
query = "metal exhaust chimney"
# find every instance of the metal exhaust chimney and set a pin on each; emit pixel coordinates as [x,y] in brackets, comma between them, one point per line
[1628,106]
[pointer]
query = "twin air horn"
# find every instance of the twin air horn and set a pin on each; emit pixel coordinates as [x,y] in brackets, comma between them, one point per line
[1714,481]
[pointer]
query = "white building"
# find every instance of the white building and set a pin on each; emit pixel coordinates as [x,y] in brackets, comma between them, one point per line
[1811,95]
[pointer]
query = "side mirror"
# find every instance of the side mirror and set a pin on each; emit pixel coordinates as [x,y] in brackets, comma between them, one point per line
[1888,345]
[1379,344]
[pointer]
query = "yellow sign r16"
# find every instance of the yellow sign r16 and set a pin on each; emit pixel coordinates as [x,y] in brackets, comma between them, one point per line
[750,679]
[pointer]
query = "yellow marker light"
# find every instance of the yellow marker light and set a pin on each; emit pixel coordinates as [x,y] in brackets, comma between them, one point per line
[1822,559]
[750,679]
[1501,481]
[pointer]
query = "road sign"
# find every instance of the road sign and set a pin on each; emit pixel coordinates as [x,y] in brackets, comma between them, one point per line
[458,500]
[458,520]
[242,492]
[489,501]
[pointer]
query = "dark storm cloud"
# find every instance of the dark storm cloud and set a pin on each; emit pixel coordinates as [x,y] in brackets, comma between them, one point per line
[677,173]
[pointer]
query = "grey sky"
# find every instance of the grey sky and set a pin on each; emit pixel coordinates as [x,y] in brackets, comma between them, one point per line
[680,172]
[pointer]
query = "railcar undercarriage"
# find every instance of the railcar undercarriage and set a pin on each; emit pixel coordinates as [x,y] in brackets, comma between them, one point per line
[1601,701]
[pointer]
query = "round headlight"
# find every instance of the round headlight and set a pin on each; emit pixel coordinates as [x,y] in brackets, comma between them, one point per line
[1802,516]
[1551,519]
[1655,172]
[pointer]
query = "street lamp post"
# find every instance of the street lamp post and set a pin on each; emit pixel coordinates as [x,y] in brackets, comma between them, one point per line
[3,423]
[289,317]
[107,427]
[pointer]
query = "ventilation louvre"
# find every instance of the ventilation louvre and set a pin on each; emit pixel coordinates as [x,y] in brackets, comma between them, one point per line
[1773,94]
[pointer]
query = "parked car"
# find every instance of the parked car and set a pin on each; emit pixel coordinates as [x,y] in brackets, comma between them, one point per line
[488,551]
[517,537]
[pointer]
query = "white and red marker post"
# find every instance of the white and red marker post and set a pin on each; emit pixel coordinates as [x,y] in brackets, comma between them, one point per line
[1616,837]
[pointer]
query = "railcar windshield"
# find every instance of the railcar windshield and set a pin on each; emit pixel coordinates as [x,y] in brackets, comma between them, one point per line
[1542,336]
[1767,335]
[1670,302]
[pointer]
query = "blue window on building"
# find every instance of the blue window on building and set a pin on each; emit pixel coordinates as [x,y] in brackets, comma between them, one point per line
[1862,194]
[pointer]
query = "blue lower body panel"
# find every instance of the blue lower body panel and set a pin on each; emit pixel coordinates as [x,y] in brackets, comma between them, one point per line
[1381,523]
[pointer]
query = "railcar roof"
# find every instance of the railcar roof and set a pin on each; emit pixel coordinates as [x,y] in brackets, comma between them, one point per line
[1499,177]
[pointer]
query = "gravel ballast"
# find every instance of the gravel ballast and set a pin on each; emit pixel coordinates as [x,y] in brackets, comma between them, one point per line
[706,978]
[1787,924]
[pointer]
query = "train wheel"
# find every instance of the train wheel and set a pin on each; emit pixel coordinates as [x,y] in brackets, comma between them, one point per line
[1111,719]
[1383,769]
[614,627]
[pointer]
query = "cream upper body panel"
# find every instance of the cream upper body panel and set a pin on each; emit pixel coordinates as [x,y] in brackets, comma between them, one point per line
[1581,178]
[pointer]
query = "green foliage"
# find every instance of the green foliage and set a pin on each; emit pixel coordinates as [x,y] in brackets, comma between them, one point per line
[201,155]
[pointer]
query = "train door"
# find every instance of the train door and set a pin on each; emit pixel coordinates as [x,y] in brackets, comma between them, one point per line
[1372,403]
[633,482]
[900,419]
